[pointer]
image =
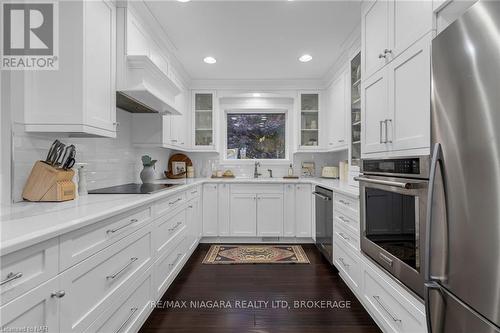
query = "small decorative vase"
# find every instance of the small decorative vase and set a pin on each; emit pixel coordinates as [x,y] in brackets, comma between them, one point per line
[148,175]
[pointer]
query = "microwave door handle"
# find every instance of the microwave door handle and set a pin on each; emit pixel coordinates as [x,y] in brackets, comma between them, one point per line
[404,185]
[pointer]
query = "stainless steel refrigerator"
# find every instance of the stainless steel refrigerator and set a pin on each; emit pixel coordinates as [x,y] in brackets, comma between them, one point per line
[463,233]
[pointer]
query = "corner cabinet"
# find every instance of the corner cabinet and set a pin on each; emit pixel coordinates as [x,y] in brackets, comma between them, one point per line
[79,98]
[309,123]
[203,124]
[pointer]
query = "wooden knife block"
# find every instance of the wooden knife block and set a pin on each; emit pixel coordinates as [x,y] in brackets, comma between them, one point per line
[47,183]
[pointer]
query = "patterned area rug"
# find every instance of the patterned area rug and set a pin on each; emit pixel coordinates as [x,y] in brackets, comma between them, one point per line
[256,254]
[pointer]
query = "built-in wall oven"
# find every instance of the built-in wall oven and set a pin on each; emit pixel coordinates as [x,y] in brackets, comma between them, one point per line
[393,198]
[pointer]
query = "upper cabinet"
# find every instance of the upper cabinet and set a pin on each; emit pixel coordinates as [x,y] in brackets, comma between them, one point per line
[390,27]
[309,105]
[355,111]
[79,98]
[203,120]
[337,112]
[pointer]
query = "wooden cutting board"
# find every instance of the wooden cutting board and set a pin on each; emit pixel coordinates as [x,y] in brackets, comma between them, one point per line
[177,158]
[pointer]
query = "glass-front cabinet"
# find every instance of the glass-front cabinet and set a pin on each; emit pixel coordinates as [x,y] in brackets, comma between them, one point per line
[203,103]
[309,120]
[355,111]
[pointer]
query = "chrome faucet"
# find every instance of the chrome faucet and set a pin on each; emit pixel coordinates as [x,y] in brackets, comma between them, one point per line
[256,173]
[270,173]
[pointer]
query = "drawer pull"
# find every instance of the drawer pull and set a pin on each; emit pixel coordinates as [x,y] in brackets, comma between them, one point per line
[394,318]
[121,270]
[343,262]
[190,206]
[344,202]
[343,236]
[175,226]
[343,219]
[175,201]
[11,277]
[58,294]
[132,312]
[176,260]
[194,192]
[112,231]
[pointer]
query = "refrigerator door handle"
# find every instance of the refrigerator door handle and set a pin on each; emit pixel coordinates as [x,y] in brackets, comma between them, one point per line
[428,287]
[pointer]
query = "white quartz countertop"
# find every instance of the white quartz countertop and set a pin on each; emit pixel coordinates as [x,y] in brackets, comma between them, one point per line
[27,223]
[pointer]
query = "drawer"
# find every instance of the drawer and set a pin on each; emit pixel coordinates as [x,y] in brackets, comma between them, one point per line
[349,265]
[130,308]
[346,237]
[28,268]
[92,285]
[81,244]
[256,188]
[166,228]
[169,263]
[393,309]
[347,205]
[193,192]
[346,221]
[165,205]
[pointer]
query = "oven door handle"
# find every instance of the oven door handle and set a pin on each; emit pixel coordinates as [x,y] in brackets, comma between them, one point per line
[404,185]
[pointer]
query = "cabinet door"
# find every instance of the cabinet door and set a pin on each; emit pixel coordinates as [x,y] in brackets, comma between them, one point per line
[270,215]
[100,68]
[178,130]
[203,119]
[410,20]
[374,35]
[289,211]
[210,216]
[409,91]
[375,111]
[36,310]
[337,113]
[303,210]
[243,215]
[224,211]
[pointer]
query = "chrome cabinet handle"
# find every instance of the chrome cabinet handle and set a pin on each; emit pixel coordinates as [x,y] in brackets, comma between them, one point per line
[387,131]
[379,301]
[380,131]
[341,140]
[11,277]
[111,231]
[344,202]
[194,192]
[121,270]
[343,236]
[58,294]
[382,56]
[385,258]
[176,259]
[175,226]
[387,51]
[132,312]
[343,219]
[175,201]
[343,262]
[190,206]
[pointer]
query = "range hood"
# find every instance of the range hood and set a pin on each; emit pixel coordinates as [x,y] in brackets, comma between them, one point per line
[141,99]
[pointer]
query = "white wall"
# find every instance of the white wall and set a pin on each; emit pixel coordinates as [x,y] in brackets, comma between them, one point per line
[110,161]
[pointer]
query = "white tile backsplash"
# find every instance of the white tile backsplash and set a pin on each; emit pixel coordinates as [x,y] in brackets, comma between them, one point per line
[109,161]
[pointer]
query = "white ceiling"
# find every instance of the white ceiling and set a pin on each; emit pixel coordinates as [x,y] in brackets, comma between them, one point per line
[257,39]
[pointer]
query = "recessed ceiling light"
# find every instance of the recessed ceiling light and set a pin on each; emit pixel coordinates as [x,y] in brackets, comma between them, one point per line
[256,95]
[305,58]
[210,60]
[183,0]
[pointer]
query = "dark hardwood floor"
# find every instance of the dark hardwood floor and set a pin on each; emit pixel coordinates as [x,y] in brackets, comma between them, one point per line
[275,282]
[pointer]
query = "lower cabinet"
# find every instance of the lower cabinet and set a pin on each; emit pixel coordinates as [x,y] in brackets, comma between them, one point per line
[243,214]
[224,199]
[270,215]
[210,210]
[303,210]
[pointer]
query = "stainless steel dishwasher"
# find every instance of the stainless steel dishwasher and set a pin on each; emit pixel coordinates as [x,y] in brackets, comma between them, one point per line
[324,222]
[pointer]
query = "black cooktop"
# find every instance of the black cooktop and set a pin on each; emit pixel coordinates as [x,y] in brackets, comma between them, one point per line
[132,188]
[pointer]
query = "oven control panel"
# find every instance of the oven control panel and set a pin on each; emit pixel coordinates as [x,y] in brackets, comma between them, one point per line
[409,166]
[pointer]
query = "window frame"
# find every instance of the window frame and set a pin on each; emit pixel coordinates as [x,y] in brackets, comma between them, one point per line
[286,160]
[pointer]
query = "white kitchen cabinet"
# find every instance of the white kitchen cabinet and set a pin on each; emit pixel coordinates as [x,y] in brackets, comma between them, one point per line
[210,211]
[409,96]
[36,310]
[193,222]
[243,214]
[395,103]
[337,112]
[203,123]
[303,210]
[289,210]
[374,35]
[224,202]
[388,28]
[79,97]
[309,120]
[270,215]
